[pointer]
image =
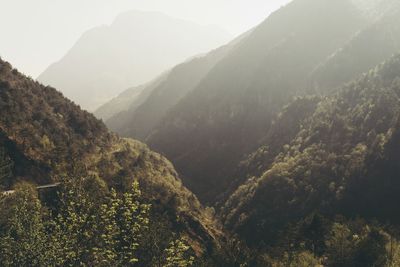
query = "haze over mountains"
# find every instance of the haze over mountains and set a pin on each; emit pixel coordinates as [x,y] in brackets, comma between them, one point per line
[225,115]
[135,48]
[144,106]
[289,134]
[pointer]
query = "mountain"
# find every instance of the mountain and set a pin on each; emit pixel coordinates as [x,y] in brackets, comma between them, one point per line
[129,99]
[360,54]
[170,113]
[47,137]
[291,133]
[134,49]
[339,158]
[356,57]
[147,110]
[207,133]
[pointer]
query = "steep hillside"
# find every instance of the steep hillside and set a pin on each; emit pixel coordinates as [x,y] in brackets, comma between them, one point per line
[283,129]
[129,99]
[119,103]
[164,93]
[108,59]
[47,137]
[356,57]
[340,161]
[207,133]
[365,50]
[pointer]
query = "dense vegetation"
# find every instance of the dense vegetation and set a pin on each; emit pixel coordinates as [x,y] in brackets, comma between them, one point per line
[85,229]
[340,161]
[44,137]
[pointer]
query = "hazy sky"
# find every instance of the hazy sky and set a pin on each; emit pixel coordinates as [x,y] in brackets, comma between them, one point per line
[35,33]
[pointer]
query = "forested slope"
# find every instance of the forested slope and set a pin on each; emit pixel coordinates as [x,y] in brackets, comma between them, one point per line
[340,161]
[48,138]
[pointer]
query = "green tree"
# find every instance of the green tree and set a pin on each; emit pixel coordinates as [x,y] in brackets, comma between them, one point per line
[105,253]
[23,240]
[340,244]
[155,239]
[75,225]
[87,228]
[132,219]
[122,221]
[177,254]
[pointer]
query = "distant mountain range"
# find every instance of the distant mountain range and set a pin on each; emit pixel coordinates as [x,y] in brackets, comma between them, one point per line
[135,48]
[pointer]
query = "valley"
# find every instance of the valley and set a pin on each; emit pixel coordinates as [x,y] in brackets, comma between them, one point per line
[278,148]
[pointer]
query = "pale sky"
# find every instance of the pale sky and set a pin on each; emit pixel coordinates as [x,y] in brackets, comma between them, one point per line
[36,33]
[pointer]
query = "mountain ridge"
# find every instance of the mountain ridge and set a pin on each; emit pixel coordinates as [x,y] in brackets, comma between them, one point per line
[164,92]
[334,164]
[49,137]
[239,97]
[111,57]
